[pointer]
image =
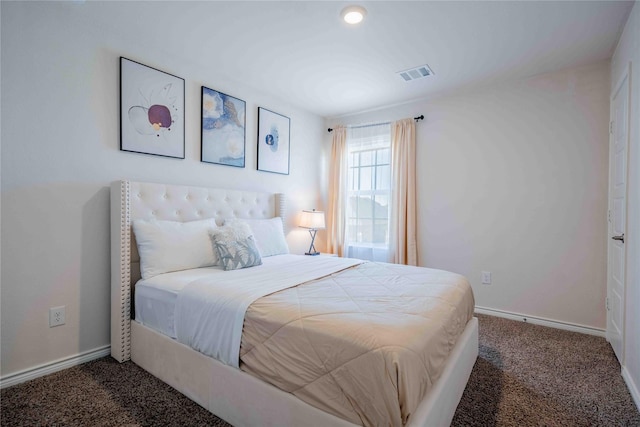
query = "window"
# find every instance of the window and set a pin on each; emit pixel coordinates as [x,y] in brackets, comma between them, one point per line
[369,192]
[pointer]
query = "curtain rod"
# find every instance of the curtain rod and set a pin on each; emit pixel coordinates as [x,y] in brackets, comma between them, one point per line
[420,117]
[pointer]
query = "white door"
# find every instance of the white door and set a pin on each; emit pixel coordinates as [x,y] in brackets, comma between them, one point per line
[619,143]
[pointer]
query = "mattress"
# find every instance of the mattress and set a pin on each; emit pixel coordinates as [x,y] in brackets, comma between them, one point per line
[364,344]
[155,298]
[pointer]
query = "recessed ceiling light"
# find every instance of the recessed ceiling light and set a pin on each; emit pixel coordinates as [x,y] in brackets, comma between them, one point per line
[353,14]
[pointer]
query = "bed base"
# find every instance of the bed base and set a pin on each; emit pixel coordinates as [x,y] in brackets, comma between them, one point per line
[243,400]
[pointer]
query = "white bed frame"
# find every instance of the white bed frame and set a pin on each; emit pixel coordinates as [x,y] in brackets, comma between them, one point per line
[231,394]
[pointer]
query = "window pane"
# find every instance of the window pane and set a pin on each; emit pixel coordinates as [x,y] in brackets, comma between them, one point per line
[367,158]
[354,159]
[366,178]
[352,208]
[364,230]
[383,178]
[384,156]
[381,203]
[380,232]
[354,231]
[364,207]
[354,182]
[351,229]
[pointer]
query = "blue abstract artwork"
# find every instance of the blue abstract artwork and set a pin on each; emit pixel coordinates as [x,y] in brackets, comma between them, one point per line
[223,128]
[273,142]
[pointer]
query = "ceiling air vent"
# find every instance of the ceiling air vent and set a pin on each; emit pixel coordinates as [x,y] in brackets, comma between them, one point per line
[415,73]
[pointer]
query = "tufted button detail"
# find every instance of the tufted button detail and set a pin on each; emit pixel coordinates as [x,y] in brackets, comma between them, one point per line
[178,212]
[154,213]
[199,212]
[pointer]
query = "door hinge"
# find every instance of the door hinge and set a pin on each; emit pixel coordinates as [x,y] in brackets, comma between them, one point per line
[611,127]
[607,303]
[609,215]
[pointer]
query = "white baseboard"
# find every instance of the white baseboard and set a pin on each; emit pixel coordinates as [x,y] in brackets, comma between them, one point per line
[632,386]
[542,321]
[51,367]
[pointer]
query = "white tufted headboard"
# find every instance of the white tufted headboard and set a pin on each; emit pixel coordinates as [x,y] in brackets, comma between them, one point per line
[141,200]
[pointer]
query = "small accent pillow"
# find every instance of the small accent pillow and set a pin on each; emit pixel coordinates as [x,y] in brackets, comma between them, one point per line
[236,246]
[269,235]
[166,246]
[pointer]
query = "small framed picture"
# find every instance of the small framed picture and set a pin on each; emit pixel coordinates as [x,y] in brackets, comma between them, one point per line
[273,142]
[223,128]
[151,110]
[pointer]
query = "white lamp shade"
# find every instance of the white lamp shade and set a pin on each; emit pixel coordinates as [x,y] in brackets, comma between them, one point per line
[313,220]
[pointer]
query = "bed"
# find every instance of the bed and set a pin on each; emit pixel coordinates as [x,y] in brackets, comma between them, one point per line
[238,395]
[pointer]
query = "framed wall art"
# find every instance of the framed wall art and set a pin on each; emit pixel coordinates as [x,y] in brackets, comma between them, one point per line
[223,129]
[151,110]
[273,142]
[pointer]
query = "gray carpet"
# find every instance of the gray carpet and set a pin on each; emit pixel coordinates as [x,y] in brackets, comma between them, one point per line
[526,375]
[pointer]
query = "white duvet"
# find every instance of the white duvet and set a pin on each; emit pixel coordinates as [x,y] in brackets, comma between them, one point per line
[210,311]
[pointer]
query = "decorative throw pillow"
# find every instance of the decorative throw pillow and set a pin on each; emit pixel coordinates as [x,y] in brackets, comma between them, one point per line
[166,246]
[236,246]
[269,235]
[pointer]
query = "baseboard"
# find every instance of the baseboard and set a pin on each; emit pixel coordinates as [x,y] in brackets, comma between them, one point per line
[632,386]
[542,321]
[51,367]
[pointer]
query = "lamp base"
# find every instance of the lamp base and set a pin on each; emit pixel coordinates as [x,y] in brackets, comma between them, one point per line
[312,249]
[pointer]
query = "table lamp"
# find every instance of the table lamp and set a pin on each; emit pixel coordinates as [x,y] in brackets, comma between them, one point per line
[314,221]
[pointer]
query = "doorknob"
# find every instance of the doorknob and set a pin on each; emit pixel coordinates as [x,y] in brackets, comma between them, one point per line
[621,237]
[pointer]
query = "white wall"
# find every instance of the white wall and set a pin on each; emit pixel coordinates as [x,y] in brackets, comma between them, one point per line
[512,179]
[60,151]
[628,50]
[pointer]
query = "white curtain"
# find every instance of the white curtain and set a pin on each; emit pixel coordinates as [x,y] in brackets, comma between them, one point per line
[359,240]
[336,207]
[403,209]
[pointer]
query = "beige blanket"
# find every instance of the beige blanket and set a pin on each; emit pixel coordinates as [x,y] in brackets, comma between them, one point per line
[365,344]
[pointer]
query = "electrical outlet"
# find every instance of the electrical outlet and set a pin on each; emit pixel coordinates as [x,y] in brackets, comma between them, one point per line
[486,277]
[56,316]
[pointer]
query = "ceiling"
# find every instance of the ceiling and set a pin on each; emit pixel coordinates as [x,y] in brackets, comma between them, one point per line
[302,52]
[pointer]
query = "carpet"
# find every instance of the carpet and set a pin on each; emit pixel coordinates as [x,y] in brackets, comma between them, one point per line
[525,375]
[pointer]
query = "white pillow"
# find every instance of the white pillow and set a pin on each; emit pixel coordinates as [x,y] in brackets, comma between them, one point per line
[166,246]
[269,235]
